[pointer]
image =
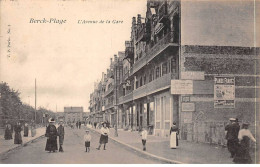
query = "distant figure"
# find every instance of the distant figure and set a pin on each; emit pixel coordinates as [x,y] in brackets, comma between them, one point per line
[95,125]
[174,131]
[232,130]
[26,130]
[144,138]
[8,131]
[33,128]
[242,155]
[87,139]
[51,134]
[79,124]
[104,136]
[61,133]
[17,135]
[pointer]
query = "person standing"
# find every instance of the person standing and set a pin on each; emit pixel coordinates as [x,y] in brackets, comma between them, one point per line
[87,139]
[51,134]
[26,130]
[174,131]
[243,156]
[95,125]
[144,138]
[61,134]
[8,131]
[17,135]
[232,130]
[79,124]
[104,136]
[33,128]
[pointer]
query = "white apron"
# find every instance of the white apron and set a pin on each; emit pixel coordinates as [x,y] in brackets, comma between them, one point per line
[173,140]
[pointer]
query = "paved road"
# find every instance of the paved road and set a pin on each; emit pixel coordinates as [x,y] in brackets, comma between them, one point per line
[75,152]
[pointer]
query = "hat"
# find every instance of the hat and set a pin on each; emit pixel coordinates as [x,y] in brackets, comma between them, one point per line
[51,120]
[246,123]
[86,130]
[232,119]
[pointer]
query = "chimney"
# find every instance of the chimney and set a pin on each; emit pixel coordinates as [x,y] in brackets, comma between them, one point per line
[139,19]
[115,58]
[111,60]
[133,20]
[103,76]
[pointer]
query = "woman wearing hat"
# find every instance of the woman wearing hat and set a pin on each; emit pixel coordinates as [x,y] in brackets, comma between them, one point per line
[51,134]
[243,156]
[104,136]
[173,133]
[17,135]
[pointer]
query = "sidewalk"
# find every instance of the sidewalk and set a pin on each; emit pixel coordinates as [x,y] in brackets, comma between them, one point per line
[187,152]
[7,145]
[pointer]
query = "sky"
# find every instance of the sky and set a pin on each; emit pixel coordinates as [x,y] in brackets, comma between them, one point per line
[65,59]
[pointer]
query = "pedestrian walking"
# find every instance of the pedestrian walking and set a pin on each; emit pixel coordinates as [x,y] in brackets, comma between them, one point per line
[232,130]
[17,135]
[95,125]
[61,134]
[174,131]
[79,124]
[33,128]
[144,138]
[87,139]
[104,136]
[26,130]
[242,155]
[8,131]
[51,134]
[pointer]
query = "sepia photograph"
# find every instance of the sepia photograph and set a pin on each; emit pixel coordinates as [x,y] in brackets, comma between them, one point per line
[129,81]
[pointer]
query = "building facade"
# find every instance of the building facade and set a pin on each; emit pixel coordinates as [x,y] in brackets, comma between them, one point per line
[73,114]
[166,76]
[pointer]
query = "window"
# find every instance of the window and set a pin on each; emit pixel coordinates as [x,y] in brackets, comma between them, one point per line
[141,81]
[173,65]
[157,72]
[144,79]
[164,68]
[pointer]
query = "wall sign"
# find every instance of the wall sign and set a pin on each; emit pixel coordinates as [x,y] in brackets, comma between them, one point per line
[224,92]
[179,87]
[188,107]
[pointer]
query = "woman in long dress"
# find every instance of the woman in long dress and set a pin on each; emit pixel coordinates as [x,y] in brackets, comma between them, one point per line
[33,129]
[174,139]
[26,130]
[51,134]
[104,136]
[242,155]
[8,132]
[17,135]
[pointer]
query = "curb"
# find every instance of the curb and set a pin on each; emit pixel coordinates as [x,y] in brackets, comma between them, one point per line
[143,152]
[22,145]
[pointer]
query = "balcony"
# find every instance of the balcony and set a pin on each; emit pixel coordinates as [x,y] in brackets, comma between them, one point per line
[128,97]
[143,33]
[109,105]
[159,84]
[161,45]
[139,92]
[139,64]
[163,12]
[110,90]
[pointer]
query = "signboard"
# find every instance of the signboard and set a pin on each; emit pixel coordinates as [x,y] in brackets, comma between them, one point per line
[224,92]
[193,75]
[188,107]
[180,87]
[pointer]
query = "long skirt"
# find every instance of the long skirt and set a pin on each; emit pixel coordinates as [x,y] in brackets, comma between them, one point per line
[242,155]
[26,130]
[18,138]
[173,140]
[33,132]
[8,134]
[103,139]
[51,145]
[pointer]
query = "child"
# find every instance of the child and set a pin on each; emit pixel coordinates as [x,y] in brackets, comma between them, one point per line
[87,138]
[144,137]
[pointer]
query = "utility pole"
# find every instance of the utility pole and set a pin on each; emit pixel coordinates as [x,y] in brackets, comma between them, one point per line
[116,107]
[35,103]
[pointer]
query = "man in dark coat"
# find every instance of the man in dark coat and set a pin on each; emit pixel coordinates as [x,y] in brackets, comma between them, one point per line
[232,130]
[51,134]
[26,130]
[79,124]
[61,133]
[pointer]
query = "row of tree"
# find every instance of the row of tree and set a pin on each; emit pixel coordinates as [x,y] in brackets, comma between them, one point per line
[13,109]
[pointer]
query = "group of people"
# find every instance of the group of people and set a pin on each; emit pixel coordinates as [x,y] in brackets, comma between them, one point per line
[18,128]
[238,141]
[52,133]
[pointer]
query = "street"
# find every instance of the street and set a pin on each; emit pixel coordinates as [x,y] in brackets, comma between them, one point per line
[75,152]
